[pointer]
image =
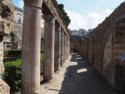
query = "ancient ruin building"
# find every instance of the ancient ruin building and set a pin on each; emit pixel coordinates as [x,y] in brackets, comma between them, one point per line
[6,18]
[105,45]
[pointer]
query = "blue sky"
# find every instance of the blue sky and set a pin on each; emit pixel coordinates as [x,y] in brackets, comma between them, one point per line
[85,14]
[87,6]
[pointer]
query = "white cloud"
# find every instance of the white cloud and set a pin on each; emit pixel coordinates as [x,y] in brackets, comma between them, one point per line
[88,21]
[96,7]
[77,20]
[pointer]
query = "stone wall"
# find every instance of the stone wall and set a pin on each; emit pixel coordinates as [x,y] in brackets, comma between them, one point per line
[6,18]
[75,42]
[104,46]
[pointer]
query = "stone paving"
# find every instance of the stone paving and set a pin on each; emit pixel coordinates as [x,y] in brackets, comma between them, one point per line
[77,77]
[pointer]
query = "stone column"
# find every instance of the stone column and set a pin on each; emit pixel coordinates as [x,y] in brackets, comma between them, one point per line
[57,48]
[49,38]
[69,46]
[62,47]
[31,47]
[66,46]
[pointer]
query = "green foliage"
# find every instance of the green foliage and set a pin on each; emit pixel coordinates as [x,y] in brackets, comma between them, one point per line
[6,53]
[41,64]
[12,34]
[12,53]
[64,14]
[12,74]
[8,59]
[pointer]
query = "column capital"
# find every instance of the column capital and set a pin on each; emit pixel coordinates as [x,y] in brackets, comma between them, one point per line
[33,3]
[59,28]
[62,32]
[49,18]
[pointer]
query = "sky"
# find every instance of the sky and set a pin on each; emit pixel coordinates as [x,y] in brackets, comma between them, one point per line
[85,14]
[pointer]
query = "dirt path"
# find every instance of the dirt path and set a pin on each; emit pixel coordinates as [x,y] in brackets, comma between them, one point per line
[77,77]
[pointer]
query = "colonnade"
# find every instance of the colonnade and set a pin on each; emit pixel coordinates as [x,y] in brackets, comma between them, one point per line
[56,43]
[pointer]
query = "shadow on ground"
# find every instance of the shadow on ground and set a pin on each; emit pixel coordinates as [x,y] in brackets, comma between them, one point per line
[81,78]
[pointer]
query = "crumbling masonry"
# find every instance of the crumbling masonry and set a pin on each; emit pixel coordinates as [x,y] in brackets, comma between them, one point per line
[6,18]
[104,46]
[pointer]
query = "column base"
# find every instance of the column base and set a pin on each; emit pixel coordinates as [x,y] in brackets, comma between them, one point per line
[57,65]
[47,79]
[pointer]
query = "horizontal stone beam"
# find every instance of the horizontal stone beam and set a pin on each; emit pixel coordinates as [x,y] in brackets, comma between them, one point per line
[52,5]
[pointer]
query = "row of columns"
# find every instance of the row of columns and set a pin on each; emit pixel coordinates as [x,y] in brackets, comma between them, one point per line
[56,47]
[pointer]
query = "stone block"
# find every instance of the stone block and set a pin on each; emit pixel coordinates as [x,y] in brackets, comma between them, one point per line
[1,66]
[5,27]
[6,20]
[4,88]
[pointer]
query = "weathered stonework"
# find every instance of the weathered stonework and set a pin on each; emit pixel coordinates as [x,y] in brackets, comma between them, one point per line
[4,87]
[6,18]
[104,47]
[5,27]
[31,42]
[6,9]
[1,56]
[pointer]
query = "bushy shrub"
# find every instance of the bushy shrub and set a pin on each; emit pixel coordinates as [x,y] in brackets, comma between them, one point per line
[12,74]
[12,53]
[6,53]
[9,59]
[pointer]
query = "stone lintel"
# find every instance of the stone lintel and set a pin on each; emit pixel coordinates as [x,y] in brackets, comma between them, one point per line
[53,7]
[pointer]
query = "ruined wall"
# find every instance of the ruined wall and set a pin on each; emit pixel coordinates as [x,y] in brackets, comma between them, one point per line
[75,42]
[104,46]
[6,18]
[118,50]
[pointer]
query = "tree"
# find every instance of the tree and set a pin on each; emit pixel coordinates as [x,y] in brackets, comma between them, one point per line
[12,34]
[64,14]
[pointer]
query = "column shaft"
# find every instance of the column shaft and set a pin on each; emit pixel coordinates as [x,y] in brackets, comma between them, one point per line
[49,38]
[65,46]
[68,46]
[57,48]
[62,48]
[31,48]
